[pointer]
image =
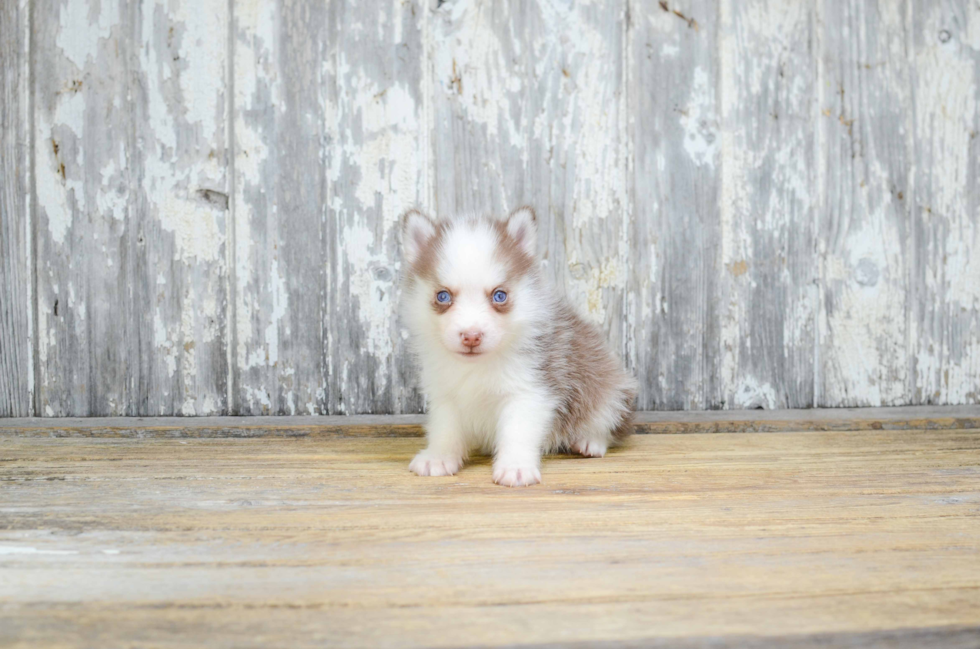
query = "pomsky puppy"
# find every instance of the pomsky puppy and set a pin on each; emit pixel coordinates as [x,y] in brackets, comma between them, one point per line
[509,367]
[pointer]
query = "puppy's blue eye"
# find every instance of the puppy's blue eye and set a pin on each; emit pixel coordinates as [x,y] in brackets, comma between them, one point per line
[443,297]
[499,297]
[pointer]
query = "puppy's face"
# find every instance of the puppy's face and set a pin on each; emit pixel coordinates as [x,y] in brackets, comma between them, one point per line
[469,285]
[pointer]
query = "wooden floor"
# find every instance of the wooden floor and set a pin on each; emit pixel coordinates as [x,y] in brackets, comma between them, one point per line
[812,539]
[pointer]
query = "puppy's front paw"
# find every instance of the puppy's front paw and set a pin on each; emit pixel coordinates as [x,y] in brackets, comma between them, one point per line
[429,464]
[524,476]
[589,448]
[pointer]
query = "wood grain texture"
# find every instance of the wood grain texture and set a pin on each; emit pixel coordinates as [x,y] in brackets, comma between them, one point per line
[87,337]
[865,98]
[16,254]
[284,134]
[182,142]
[312,542]
[676,234]
[944,295]
[480,61]
[378,171]
[131,202]
[768,284]
[762,204]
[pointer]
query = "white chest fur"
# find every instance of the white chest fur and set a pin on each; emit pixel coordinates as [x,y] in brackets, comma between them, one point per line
[478,391]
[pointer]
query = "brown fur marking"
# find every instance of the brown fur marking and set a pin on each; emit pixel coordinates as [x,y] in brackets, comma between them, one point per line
[517,262]
[586,376]
[424,266]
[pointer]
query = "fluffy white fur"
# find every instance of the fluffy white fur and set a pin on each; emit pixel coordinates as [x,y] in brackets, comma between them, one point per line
[526,388]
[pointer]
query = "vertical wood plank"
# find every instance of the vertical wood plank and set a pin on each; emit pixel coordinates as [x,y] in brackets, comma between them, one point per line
[85,195]
[768,292]
[866,110]
[480,91]
[676,231]
[284,112]
[131,198]
[377,170]
[945,238]
[577,153]
[16,273]
[180,140]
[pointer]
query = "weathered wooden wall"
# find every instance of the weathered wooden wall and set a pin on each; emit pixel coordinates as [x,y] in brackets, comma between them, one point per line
[765,203]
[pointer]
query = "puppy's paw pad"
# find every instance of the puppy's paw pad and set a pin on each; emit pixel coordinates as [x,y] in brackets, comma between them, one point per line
[589,448]
[425,464]
[516,476]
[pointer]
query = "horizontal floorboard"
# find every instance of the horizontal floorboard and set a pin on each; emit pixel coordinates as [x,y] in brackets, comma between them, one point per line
[837,538]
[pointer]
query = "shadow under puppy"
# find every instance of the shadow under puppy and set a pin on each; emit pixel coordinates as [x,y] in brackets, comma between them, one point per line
[509,367]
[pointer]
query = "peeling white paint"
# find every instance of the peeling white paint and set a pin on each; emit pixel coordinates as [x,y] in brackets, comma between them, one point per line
[946,113]
[538,114]
[473,68]
[946,125]
[585,119]
[203,53]
[260,396]
[209,406]
[750,393]
[164,344]
[589,287]
[765,195]
[197,233]
[387,157]
[700,121]
[868,319]
[375,302]
[170,181]
[83,28]
[280,302]
[255,74]
[60,196]
[113,193]
[377,176]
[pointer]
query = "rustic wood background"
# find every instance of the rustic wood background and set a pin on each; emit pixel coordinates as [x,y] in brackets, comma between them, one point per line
[765,203]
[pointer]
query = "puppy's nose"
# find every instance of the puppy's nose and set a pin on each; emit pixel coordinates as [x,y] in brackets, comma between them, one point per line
[471,338]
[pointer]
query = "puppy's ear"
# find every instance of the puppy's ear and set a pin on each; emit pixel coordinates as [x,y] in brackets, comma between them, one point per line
[522,226]
[417,230]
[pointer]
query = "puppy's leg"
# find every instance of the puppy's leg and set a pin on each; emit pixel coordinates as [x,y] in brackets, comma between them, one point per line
[447,448]
[594,437]
[521,431]
[590,447]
